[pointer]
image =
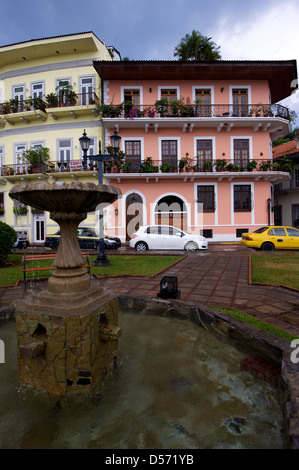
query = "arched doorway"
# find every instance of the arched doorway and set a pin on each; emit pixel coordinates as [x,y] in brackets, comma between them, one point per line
[171,210]
[134,214]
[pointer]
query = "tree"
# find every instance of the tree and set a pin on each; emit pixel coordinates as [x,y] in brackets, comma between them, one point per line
[197,47]
[7,238]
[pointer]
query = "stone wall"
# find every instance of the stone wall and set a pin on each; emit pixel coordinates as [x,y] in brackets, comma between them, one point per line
[67,354]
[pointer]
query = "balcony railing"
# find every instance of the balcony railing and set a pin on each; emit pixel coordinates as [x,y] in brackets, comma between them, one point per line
[51,101]
[169,165]
[179,110]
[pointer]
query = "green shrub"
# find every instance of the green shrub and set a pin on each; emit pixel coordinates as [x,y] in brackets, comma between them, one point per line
[8,236]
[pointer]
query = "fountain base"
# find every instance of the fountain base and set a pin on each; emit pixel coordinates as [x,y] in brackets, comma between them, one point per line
[67,349]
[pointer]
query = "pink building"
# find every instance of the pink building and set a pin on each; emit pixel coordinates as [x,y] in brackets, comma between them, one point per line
[196,141]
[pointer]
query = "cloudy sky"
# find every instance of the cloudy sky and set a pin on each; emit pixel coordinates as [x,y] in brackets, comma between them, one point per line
[151,29]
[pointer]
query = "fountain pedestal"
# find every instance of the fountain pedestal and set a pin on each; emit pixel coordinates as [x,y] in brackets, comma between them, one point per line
[68,333]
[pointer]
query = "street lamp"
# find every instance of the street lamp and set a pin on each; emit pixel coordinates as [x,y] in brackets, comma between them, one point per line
[102,259]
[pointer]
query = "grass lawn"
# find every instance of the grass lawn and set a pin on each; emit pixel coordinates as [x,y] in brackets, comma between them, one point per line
[257,323]
[143,265]
[276,269]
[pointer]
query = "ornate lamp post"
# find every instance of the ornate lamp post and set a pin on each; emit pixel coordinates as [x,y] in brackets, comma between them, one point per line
[102,259]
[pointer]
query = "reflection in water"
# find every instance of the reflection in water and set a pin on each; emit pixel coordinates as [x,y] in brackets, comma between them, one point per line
[178,387]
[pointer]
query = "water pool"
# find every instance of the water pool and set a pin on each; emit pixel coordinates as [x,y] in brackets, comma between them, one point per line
[177,387]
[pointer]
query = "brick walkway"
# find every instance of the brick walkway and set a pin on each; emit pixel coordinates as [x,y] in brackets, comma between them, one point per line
[218,277]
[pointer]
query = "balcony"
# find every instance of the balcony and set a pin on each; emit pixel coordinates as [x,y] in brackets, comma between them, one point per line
[15,111]
[187,169]
[265,117]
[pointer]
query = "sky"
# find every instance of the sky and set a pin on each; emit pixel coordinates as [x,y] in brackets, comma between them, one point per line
[151,29]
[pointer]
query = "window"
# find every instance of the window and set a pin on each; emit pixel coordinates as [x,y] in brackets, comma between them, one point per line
[63,85]
[277,232]
[37,90]
[131,102]
[240,102]
[169,152]
[241,152]
[19,92]
[171,96]
[239,232]
[206,197]
[203,102]
[87,90]
[204,154]
[242,198]
[207,233]
[292,232]
[133,153]
[1,200]
[20,160]
[64,152]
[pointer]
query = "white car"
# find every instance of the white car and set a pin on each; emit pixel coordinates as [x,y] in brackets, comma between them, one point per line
[166,237]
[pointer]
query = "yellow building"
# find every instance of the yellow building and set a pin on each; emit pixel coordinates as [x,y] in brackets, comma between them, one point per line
[49,91]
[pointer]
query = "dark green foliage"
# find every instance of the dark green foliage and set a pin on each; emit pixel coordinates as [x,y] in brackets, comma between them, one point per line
[7,238]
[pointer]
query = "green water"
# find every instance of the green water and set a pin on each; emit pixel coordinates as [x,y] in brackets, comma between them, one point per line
[177,387]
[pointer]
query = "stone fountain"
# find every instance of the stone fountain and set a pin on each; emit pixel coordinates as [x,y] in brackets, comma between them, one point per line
[68,332]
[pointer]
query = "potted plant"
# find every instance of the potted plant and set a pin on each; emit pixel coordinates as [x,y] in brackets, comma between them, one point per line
[148,166]
[110,110]
[220,164]
[52,100]
[265,165]
[6,108]
[251,165]
[167,167]
[232,167]
[20,210]
[162,106]
[207,165]
[37,157]
[185,163]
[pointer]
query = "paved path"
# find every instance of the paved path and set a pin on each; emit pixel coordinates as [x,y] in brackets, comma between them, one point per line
[218,277]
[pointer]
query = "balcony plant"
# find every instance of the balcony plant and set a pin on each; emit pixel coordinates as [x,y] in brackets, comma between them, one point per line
[220,164]
[162,107]
[52,100]
[265,165]
[207,165]
[167,167]
[232,167]
[185,163]
[251,165]
[110,110]
[148,166]
[6,108]
[20,210]
[67,96]
[37,158]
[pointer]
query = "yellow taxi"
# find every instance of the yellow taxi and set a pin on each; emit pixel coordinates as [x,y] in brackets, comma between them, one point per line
[272,238]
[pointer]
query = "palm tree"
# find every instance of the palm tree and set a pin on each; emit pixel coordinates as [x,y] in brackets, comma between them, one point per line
[197,47]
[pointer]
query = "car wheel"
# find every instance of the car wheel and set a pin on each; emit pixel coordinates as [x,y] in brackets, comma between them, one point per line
[141,246]
[267,246]
[191,246]
[55,246]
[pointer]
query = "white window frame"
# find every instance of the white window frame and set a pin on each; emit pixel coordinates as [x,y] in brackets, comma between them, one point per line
[128,87]
[14,94]
[58,148]
[21,163]
[40,82]
[178,139]
[141,140]
[241,137]
[168,87]
[212,138]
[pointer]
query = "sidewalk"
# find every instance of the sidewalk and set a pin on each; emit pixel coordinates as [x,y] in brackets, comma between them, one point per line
[216,278]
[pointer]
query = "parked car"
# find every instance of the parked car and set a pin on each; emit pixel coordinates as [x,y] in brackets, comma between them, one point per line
[22,240]
[166,237]
[88,240]
[272,238]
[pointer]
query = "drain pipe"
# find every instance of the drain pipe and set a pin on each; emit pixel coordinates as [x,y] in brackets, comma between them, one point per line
[269,210]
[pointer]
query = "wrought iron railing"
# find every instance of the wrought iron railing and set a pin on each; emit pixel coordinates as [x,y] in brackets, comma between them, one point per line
[185,165]
[175,110]
[52,100]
